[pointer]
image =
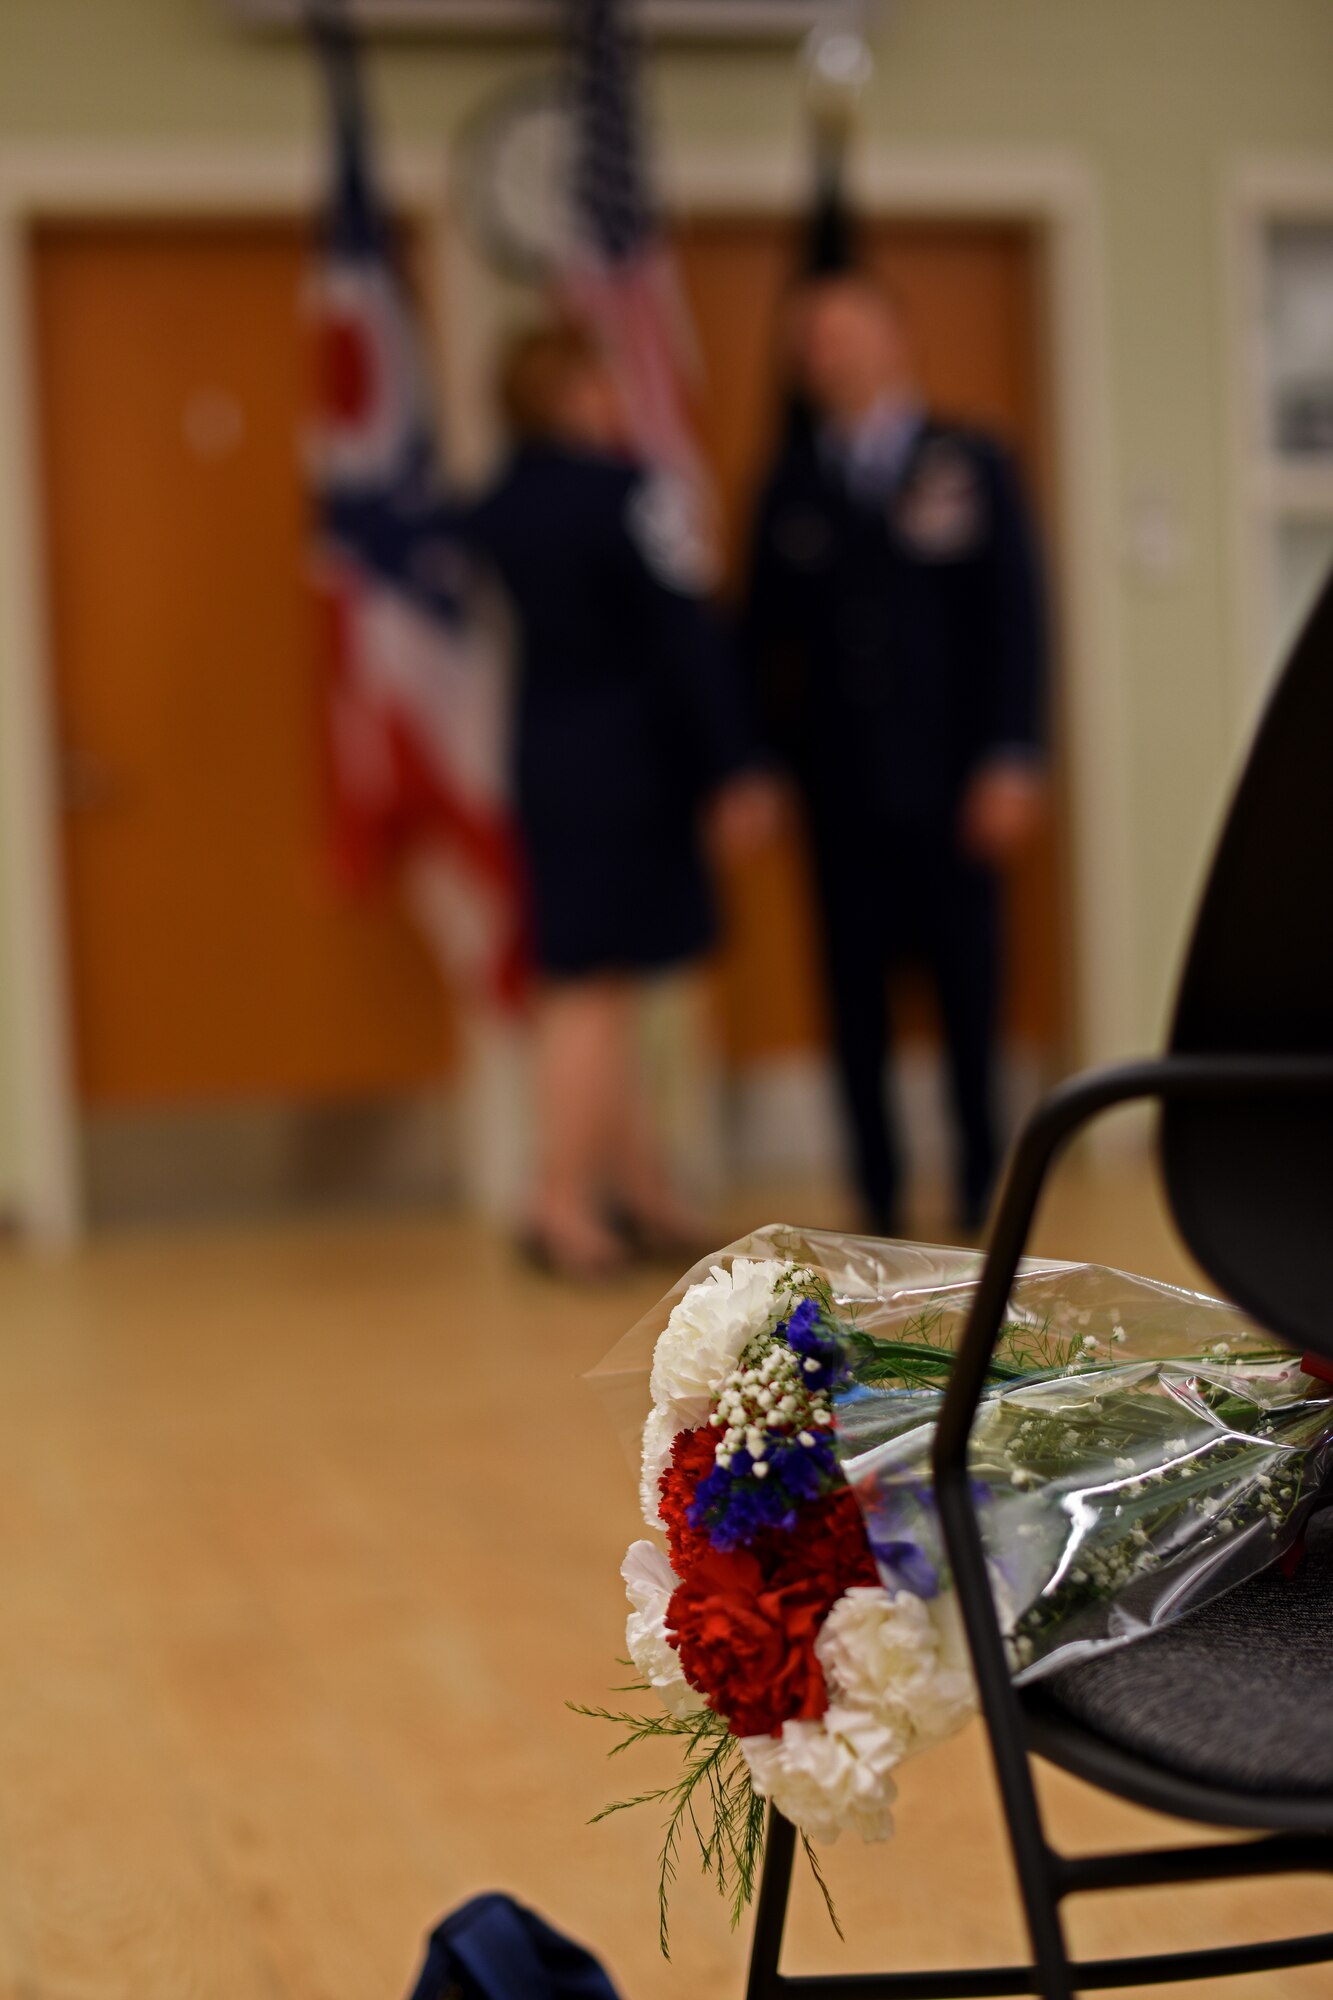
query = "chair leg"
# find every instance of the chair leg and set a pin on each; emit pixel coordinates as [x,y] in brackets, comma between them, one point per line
[771,1914]
[1032,1862]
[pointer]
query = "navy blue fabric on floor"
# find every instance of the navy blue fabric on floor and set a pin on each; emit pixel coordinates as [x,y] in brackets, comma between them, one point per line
[494,1949]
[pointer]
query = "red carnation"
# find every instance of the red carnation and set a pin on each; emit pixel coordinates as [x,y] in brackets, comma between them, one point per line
[691,1460]
[829,1548]
[750,1645]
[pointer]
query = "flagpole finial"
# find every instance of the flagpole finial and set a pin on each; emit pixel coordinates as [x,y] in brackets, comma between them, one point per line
[837,64]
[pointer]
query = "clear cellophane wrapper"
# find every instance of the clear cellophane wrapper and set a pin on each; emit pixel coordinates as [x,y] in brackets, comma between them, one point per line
[1139,1450]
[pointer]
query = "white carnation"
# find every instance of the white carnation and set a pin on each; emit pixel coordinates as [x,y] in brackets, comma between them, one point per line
[709,1329]
[659,1434]
[829,1775]
[649,1582]
[902,1660]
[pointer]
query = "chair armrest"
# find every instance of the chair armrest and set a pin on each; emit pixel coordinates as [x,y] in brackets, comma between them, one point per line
[1047,1131]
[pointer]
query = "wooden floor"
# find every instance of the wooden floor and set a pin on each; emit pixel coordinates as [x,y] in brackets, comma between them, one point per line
[305,1537]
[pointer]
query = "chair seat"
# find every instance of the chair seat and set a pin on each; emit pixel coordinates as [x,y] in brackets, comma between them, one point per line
[1237,1695]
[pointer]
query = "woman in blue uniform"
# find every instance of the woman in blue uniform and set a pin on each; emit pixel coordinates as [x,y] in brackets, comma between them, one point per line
[629,729]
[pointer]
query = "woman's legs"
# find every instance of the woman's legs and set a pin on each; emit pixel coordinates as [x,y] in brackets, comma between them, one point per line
[645,1187]
[583,1065]
[596,1136]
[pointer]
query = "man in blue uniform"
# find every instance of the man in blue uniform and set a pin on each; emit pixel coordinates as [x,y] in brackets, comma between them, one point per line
[895,628]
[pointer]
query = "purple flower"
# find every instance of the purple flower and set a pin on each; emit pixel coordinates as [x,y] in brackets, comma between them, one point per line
[820,1352]
[733,1506]
[906,1566]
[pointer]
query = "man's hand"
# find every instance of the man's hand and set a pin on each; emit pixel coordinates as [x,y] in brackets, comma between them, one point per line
[745,815]
[1002,808]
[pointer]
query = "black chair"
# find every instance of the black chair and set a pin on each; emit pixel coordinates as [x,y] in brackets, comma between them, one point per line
[1226,1718]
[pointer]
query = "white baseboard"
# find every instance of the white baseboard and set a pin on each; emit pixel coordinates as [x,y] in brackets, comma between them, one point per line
[252,1161]
[772,1122]
[785,1121]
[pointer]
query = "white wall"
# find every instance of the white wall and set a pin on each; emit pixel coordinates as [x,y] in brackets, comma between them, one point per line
[1157,99]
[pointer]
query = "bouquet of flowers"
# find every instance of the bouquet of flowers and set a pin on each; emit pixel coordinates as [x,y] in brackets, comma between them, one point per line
[1139,1449]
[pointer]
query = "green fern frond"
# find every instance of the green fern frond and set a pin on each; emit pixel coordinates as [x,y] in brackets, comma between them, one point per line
[822,1886]
[713,1800]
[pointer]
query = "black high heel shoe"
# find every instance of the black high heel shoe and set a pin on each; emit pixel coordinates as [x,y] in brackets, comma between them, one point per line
[539,1250]
[654,1243]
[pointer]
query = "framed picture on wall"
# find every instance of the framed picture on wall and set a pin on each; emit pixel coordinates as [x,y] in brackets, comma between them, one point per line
[1298,337]
[1282,270]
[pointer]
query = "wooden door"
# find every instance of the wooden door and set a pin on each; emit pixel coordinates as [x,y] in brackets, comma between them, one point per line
[212,956]
[969,295]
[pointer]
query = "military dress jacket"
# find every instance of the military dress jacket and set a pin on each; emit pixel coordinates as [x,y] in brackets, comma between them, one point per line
[628,706]
[898,642]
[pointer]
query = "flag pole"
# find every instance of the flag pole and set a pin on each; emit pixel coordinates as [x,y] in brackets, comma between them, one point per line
[336,47]
[837,64]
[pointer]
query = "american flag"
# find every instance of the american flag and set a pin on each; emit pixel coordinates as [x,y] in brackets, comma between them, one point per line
[417,699]
[620,280]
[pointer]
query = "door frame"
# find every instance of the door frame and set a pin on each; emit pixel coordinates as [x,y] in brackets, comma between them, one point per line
[115,184]
[1053,193]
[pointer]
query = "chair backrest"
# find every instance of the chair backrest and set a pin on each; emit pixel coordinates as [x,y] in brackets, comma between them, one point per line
[1251,1187]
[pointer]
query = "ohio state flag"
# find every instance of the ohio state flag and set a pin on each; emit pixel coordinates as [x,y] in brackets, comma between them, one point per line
[416,692]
